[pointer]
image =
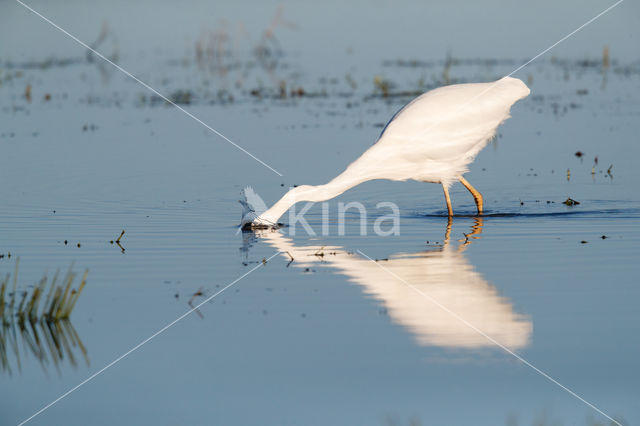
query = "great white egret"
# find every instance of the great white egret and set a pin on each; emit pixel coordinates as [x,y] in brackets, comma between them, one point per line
[431,139]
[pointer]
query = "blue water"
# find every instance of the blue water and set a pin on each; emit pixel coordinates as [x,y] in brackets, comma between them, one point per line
[336,338]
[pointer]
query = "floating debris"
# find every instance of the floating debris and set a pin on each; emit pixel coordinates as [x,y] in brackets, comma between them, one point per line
[579,154]
[299,92]
[570,202]
[181,97]
[198,293]
[117,241]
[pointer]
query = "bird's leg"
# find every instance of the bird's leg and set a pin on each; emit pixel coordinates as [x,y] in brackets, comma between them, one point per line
[476,195]
[448,199]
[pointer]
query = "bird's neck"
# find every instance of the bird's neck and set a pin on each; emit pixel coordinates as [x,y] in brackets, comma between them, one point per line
[306,193]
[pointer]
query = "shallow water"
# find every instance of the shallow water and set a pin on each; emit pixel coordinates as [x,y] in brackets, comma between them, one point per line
[330,337]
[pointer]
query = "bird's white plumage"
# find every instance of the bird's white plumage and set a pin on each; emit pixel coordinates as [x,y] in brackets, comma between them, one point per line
[432,139]
[435,136]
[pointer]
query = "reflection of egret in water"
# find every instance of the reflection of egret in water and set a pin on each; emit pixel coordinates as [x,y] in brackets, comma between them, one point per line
[51,342]
[443,274]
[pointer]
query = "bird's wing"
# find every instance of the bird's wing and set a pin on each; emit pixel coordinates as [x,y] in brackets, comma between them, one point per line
[453,120]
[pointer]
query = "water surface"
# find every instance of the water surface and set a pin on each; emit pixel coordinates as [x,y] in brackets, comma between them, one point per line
[332,337]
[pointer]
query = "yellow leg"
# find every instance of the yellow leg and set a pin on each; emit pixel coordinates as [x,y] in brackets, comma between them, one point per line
[448,199]
[476,195]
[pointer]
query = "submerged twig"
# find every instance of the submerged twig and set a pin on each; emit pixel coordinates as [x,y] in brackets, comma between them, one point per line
[117,241]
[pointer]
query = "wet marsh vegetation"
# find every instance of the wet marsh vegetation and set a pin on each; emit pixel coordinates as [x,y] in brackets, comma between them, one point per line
[58,300]
[36,321]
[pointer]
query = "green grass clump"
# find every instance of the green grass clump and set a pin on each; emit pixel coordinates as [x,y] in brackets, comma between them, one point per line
[29,325]
[59,302]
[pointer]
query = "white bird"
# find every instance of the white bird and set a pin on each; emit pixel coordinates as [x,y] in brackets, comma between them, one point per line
[431,139]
